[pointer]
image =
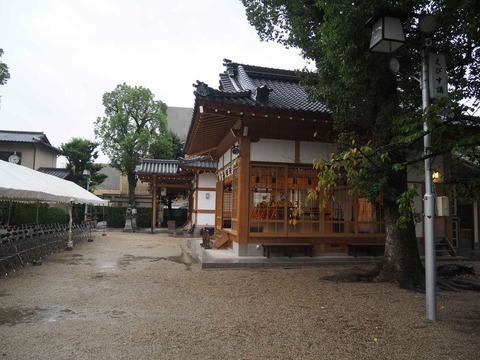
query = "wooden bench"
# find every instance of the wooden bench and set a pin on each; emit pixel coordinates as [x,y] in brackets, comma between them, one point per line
[288,248]
[369,248]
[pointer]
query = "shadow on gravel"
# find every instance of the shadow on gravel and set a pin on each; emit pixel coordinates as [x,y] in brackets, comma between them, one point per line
[450,277]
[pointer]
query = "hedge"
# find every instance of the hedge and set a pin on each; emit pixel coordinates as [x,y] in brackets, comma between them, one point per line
[26,213]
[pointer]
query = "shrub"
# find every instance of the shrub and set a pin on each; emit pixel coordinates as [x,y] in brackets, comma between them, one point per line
[144,217]
[56,215]
[115,216]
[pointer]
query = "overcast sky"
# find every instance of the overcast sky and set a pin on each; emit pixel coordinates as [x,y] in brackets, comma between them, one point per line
[63,55]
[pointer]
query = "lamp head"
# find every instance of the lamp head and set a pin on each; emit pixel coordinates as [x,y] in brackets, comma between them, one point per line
[387,30]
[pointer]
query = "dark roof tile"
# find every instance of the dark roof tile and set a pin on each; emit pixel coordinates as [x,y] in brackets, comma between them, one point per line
[276,88]
[157,167]
[58,172]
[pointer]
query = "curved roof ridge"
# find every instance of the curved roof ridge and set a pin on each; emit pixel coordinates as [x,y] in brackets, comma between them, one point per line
[244,80]
[204,90]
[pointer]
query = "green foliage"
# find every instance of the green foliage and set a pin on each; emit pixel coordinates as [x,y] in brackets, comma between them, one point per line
[168,146]
[26,213]
[406,207]
[144,217]
[115,216]
[81,155]
[56,215]
[4,73]
[133,122]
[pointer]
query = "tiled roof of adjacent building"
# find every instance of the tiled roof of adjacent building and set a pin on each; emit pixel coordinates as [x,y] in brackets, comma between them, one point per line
[263,87]
[34,137]
[173,167]
[58,172]
[157,167]
[199,163]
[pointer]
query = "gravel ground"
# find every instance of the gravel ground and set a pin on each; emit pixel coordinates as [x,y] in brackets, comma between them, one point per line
[140,296]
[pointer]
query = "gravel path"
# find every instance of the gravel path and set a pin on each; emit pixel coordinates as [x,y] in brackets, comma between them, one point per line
[139,296]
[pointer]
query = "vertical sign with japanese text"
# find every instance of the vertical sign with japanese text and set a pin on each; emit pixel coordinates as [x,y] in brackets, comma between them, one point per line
[437,75]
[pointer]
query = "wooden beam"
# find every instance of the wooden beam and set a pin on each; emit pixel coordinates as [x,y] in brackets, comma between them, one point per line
[154,204]
[243,191]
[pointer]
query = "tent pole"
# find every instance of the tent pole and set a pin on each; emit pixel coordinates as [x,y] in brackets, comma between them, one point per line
[70,240]
[105,222]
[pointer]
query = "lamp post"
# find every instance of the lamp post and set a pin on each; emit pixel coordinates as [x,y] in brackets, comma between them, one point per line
[388,36]
[87,175]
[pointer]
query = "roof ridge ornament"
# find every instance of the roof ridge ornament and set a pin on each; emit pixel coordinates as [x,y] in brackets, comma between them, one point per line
[262,93]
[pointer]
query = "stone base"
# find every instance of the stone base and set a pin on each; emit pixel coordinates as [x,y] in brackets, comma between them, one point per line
[128,225]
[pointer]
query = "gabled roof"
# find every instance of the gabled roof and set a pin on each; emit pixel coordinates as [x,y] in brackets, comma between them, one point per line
[58,172]
[266,87]
[173,173]
[257,86]
[199,163]
[270,102]
[33,137]
[174,167]
[157,167]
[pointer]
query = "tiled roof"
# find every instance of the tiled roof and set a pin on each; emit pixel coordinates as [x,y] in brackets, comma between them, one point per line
[260,87]
[58,172]
[34,137]
[23,136]
[198,162]
[157,167]
[173,167]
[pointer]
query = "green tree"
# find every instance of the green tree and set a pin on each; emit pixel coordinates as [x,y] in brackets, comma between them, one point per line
[133,121]
[4,73]
[377,115]
[168,146]
[81,155]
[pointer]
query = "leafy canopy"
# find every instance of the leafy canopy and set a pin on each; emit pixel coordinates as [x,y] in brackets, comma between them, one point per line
[134,121]
[81,155]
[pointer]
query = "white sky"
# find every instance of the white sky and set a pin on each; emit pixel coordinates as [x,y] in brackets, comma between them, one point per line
[63,55]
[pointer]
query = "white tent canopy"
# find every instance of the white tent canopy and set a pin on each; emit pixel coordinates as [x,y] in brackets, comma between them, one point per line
[19,183]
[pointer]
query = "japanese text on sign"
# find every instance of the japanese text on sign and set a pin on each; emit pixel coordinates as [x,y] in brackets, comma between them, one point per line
[437,75]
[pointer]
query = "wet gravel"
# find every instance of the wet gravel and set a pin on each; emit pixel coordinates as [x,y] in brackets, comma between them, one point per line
[142,296]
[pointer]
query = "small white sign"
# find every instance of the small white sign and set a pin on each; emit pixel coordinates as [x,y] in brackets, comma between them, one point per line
[437,75]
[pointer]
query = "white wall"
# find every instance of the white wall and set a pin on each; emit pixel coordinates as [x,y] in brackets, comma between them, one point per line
[283,151]
[271,150]
[206,180]
[311,150]
[205,219]
[204,200]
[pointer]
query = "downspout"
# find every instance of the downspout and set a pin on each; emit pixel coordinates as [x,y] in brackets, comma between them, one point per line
[34,156]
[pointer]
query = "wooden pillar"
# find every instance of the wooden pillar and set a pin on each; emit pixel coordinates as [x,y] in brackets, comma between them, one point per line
[243,191]
[154,203]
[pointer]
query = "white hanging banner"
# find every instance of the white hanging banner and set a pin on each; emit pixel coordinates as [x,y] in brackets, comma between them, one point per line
[437,75]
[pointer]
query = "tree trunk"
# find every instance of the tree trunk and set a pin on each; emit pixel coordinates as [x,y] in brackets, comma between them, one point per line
[132,184]
[401,262]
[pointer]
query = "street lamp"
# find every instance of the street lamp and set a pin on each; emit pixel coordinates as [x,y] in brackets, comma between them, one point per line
[87,175]
[388,36]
